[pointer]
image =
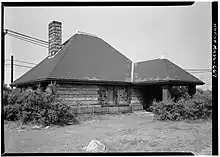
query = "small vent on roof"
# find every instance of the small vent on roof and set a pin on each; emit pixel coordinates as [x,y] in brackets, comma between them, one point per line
[80,32]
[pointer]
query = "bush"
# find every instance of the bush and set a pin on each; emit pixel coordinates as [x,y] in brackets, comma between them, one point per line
[37,107]
[185,108]
[203,102]
[59,113]
[6,92]
[178,92]
[11,112]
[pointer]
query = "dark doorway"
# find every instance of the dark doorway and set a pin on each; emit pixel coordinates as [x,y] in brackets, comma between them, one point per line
[150,93]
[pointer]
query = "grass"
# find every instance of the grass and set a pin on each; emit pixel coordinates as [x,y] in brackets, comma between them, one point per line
[118,132]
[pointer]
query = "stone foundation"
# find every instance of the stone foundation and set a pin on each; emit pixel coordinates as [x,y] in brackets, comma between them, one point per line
[101,109]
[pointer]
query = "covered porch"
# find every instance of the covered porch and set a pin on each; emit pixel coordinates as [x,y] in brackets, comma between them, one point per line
[158,78]
[147,93]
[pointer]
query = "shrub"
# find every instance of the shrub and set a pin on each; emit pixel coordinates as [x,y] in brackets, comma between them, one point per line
[167,110]
[185,108]
[6,92]
[203,102]
[178,92]
[59,113]
[37,107]
[11,112]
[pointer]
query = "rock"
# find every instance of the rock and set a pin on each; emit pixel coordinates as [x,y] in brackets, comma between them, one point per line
[47,127]
[206,151]
[36,127]
[23,127]
[95,146]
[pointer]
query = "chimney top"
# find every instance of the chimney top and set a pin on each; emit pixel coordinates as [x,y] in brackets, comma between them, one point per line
[55,37]
[55,22]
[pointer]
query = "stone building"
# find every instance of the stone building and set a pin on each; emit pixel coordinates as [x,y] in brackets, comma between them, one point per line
[92,76]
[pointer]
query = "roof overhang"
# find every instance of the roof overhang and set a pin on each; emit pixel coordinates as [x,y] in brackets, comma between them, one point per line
[102,82]
[72,81]
[168,82]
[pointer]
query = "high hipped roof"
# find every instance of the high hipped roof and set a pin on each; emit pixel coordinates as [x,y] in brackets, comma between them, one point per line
[82,57]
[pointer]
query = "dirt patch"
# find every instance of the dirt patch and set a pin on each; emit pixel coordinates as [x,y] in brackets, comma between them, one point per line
[129,132]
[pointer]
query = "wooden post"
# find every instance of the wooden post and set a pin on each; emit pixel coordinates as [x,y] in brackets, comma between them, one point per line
[115,100]
[3,46]
[12,68]
[129,94]
[166,93]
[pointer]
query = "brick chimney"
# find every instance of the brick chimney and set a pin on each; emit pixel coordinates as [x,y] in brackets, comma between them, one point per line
[55,37]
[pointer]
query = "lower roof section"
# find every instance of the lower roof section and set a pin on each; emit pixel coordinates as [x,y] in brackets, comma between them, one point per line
[162,71]
[174,83]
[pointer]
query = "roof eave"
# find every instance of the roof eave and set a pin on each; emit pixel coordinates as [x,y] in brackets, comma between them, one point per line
[169,82]
[76,81]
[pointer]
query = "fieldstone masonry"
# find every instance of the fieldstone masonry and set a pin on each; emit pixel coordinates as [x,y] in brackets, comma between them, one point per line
[86,99]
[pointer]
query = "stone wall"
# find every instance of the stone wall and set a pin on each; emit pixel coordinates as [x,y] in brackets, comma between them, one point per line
[78,95]
[87,99]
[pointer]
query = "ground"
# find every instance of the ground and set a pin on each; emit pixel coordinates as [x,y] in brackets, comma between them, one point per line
[128,132]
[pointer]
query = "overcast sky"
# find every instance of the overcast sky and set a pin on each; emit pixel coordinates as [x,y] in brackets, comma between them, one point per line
[180,34]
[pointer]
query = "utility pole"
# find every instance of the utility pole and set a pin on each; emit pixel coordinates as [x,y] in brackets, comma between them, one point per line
[12,68]
[3,56]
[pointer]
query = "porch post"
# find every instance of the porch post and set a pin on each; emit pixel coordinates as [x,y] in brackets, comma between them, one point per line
[115,102]
[191,90]
[166,93]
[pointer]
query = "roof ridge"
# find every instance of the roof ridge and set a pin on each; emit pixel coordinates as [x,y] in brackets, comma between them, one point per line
[148,60]
[86,33]
[115,49]
[66,47]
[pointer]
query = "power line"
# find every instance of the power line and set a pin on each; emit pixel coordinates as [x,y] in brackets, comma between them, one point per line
[198,69]
[25,62]
[27,36]
[21,65]
[32,39]
[22,61]
[24,39]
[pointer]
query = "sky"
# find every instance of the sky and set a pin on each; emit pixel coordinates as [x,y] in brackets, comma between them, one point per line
[180,34]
